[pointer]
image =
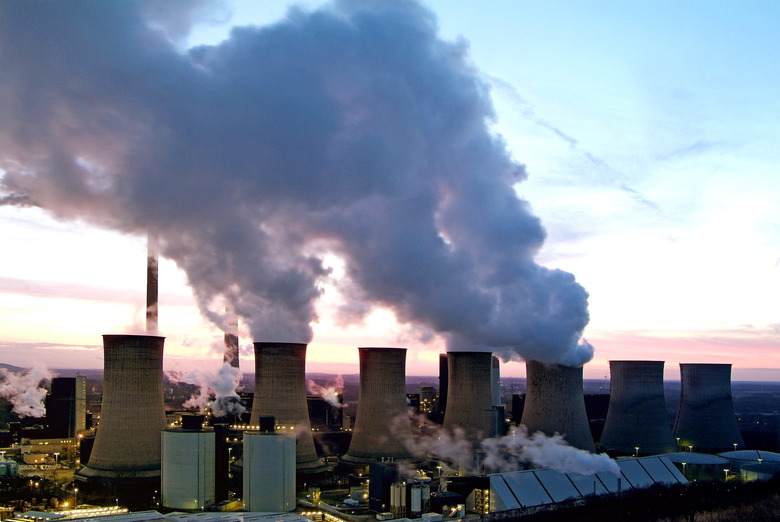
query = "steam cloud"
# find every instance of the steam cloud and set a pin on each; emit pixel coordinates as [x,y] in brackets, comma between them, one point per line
[330,392]
[24,390]
[350,131]
[217,389]
[511,452]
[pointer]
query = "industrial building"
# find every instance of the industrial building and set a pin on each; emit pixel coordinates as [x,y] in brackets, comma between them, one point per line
[637,422]
[188,465]
[705,419]
[554,403]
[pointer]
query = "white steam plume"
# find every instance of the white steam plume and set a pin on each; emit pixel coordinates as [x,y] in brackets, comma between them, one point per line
[351,131]
[24,390]
[217,389]
[330,392]
[512,452]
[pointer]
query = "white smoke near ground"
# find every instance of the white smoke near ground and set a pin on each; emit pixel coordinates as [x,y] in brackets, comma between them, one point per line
[512,452]
[25,391]
[352,131]
[331,392]
[216,390]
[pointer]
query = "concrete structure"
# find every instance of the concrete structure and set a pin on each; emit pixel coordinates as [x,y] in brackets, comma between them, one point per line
[495,381]
[188,476]
[444,384]
[127,444]
[637,411]
[382,422]
[280,391]
[469,399]
[269,472]
[152,273]
[554,403]
[706,417]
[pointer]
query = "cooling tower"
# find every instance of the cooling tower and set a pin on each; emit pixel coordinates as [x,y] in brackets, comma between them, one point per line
[469,399]
[127,444]
[382,421]
[637,411]
[280,391]
[554,403]
[706,417]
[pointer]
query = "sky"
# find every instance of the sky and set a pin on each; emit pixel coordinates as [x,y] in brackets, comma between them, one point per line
[640,135]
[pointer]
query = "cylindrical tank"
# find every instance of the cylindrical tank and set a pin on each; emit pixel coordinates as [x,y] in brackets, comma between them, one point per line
[127,443]
[555,403]
[188,467]
[382,422]
[469,399]
[280,391]
[706,417]
[269,472]
[637,410]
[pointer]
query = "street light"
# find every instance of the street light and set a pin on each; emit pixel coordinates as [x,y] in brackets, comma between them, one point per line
[735,446]
[726,471]
[690,449]
[683,465]
[75,497]
[55,458]
[636,451]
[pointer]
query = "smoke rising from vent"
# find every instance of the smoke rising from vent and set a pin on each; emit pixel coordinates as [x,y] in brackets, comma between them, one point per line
[352,131]
[24,390]
[330,392]
[217,389]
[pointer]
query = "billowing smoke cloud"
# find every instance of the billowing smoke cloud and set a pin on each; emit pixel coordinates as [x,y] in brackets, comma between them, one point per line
[515,451]
[330,392]
[24,390]
[217,389]
[349,131]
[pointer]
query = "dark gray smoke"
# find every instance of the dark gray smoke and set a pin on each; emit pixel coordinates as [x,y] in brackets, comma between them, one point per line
[350,130]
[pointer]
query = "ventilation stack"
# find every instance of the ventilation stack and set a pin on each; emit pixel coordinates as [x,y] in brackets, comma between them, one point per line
[637,410]
[469,399]
[555,403]
[382,421]
[280,391]
[127,444]
[706,417]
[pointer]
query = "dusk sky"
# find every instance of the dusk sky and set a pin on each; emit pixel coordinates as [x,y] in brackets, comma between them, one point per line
[642,135]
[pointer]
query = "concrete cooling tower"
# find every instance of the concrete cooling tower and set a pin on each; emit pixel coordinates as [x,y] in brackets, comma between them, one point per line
[382,421]
[555,403]
[469,400]
[280,391]
[132,418]
[706,417]
[637,410]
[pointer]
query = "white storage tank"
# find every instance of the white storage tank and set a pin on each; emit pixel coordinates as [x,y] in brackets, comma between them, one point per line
[188,465]
[269,470]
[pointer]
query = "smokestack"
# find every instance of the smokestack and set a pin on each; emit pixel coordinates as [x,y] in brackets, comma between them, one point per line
[637,410]
[469,400]
[231,340]
[152,272]
[132,417]
[554,403]
[382,420]
[280,391]
[706,417]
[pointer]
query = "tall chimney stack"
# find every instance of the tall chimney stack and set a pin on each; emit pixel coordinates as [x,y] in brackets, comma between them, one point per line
[152,274]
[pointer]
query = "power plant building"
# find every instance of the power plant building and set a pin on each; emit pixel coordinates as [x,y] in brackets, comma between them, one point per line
[66,406]
[188,465]
[554,403]
[269,472]
[382,422]
[280,391]
[706,419]
[127,443]
[469,397]
[637,422]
